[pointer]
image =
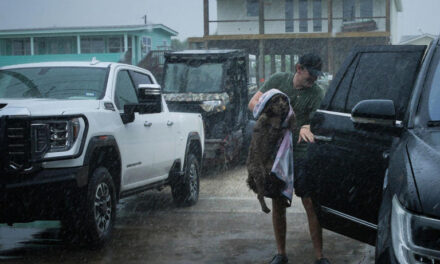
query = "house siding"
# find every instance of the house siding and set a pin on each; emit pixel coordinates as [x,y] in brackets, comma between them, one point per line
[59,46]
[275,9]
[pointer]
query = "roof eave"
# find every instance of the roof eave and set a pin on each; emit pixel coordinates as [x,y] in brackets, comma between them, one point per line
[79,30]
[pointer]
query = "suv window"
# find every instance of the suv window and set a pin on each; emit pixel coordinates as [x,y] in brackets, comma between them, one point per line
[340,97]
[383,84]
[370,76]
[434,94]
[140,78]
[125,92]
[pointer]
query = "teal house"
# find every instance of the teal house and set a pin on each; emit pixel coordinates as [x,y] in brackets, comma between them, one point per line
[129,44]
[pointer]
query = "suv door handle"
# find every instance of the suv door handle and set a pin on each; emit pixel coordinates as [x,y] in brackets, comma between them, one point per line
[323,138]
[170,123]
[147,124]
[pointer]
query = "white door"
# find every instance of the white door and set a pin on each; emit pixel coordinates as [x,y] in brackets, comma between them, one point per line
[164,131]
[135,138]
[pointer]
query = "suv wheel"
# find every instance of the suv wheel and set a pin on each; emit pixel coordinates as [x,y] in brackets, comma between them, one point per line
[94,219]
[384,248]
[185,190]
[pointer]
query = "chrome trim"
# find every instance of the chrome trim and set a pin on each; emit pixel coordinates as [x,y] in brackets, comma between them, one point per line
[398,123]
[351,218]
[333,113]
[323,138]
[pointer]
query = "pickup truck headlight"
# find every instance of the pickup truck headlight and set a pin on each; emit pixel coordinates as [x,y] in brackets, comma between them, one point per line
[415,238]
[213,106]
[54,135]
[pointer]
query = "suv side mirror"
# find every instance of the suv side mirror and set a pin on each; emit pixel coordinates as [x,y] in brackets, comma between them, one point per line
[374,113]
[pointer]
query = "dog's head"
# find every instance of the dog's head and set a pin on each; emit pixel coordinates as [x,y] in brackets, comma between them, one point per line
[278,105]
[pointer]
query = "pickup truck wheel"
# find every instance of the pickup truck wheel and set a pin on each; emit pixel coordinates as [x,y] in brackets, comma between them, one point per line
[186,189]
[95,218]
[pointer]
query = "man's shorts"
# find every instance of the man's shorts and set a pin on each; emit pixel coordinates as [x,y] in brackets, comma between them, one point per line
[303,183]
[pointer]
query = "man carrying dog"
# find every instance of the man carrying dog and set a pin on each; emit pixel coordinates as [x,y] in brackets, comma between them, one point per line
[305,97]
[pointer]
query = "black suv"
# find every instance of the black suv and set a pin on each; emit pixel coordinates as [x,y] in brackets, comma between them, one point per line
[377,153]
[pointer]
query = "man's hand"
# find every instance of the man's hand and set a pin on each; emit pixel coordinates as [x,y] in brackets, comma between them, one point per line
[254,100]
[306,135]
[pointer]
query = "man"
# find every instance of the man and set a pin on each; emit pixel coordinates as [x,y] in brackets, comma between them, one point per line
[305,97]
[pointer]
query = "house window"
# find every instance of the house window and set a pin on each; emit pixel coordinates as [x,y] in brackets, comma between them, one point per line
[21,47]
[61,45]
[145,45]
[366,8]
[115,44]
[303,10]
[289,15]
[317,13]
[252,7]
[92,45]
[348,10]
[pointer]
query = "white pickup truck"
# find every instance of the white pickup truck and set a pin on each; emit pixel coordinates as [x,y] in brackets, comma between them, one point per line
[75,137]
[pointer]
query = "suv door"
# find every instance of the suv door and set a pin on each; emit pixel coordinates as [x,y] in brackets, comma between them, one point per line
[349,163]
[134,137]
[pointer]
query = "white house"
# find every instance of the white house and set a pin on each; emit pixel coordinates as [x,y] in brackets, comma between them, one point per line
[423,39]
[292,27]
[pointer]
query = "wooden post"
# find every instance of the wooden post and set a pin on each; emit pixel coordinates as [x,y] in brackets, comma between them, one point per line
[125,42]
[78,44]
[206,17]
[388,15]
[283,62]
[330,56]
[330,16]
[292,63]
[272,64]
[261,54]
[261,16]
[133,50]
[257,70]
[32,45]
[260,61]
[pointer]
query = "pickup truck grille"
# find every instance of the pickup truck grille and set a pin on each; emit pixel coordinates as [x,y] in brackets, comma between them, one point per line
[16,145]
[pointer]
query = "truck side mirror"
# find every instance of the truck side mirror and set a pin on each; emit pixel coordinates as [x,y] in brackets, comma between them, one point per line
[374,113]
[150,99]
[128,115]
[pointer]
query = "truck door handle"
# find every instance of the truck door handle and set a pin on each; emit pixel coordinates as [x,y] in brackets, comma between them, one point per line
[147,124]
[323,138]
[170,123]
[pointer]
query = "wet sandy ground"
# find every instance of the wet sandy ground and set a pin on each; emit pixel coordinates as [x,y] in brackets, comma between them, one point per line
[225,226]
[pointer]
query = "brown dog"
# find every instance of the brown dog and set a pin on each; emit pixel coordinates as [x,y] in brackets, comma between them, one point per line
[263,148]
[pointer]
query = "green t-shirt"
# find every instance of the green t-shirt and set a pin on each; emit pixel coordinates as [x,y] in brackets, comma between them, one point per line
[304,103]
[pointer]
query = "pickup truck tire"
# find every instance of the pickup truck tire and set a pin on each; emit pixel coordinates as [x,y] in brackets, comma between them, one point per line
[186,189]
[93,220]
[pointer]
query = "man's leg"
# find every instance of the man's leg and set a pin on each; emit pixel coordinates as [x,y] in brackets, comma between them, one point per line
[315,228]
[304,187]
[279,224]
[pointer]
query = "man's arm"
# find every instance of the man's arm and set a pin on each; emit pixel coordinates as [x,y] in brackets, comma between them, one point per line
[254,100]
[305,134]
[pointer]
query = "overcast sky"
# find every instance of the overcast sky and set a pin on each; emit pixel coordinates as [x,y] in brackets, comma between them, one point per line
[184,16]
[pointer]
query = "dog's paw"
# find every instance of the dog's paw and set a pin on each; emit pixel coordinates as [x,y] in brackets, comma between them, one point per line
[266,210]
